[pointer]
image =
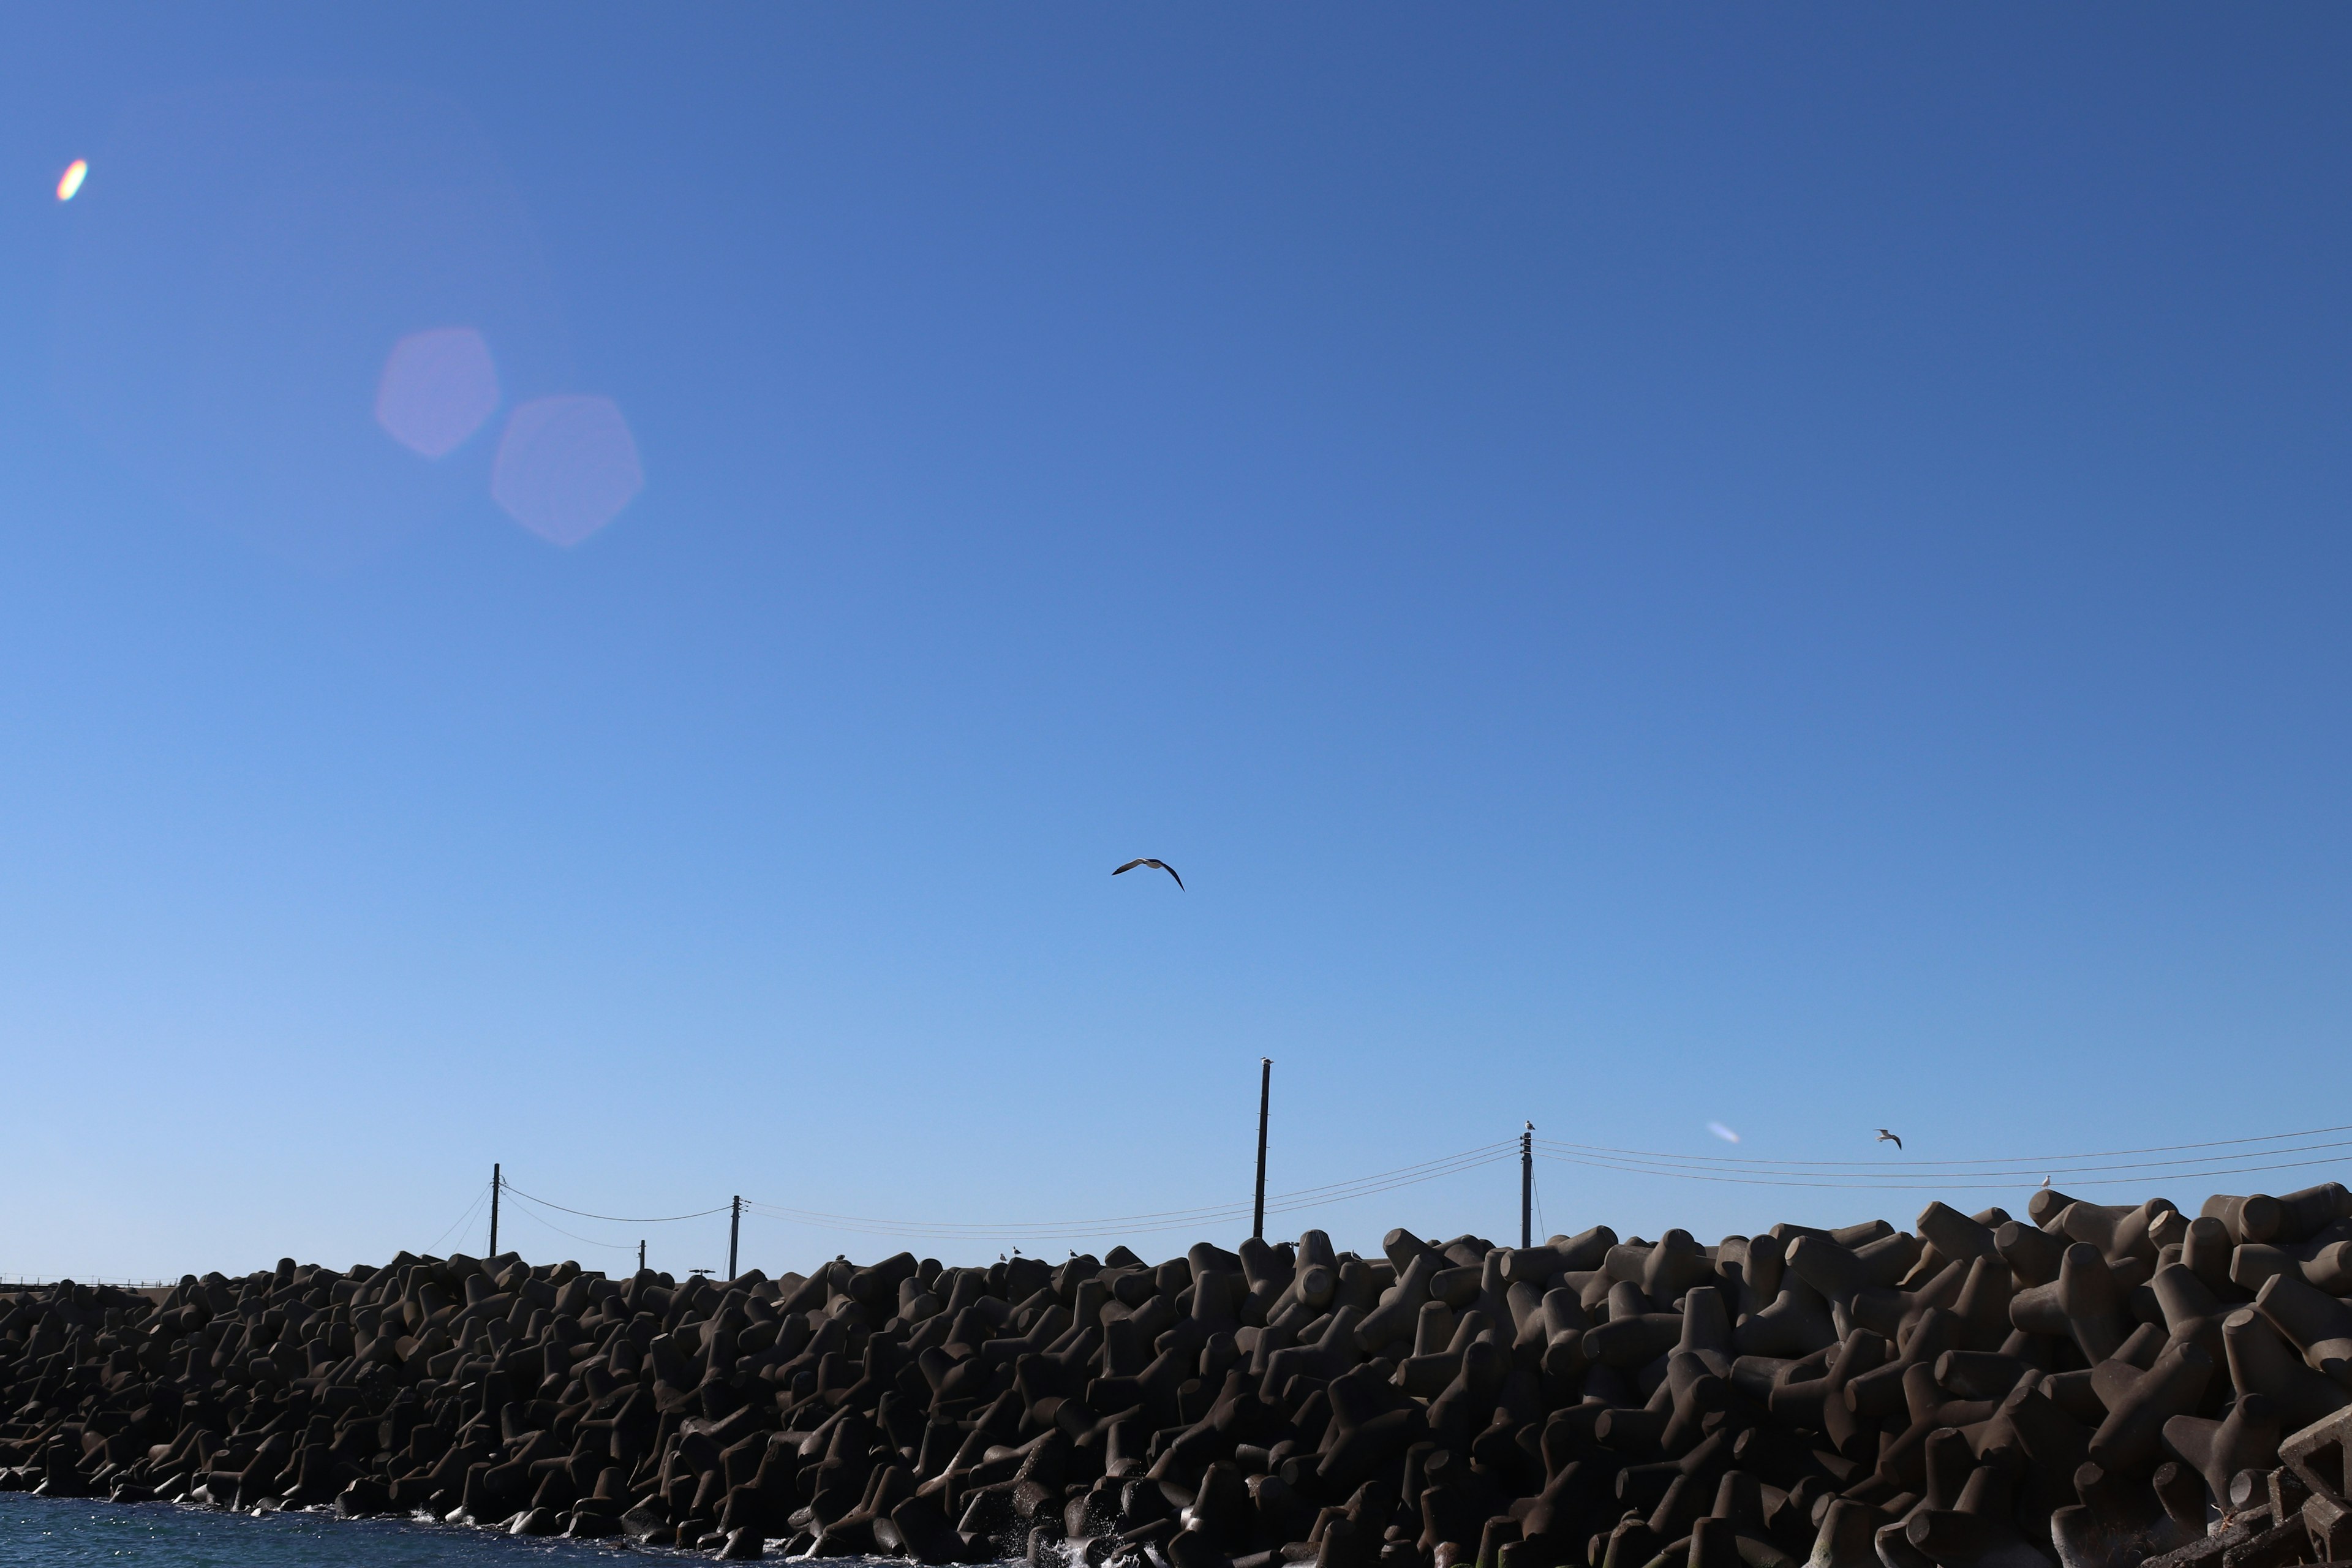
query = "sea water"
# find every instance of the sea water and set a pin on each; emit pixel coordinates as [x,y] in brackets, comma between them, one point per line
[48,1532]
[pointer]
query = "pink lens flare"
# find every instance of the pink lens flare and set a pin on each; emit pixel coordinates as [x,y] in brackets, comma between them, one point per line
[437,388]
[566,467]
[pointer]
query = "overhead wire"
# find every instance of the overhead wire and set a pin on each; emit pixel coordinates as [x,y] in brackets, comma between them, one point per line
[1388,1181]
[458,1224]
[538,1218]
[2244,1156]
[1170,1219]
[619,1219]
[2248,1156]
[1909,1182]
[2188,1168]
[2037,1160]
[1400,1176]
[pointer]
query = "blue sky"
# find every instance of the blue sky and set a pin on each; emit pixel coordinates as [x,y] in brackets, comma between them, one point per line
[1785,568]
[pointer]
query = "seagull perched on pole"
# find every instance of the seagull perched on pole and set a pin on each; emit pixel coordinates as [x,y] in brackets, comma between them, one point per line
[1155,865]
[1886,1137]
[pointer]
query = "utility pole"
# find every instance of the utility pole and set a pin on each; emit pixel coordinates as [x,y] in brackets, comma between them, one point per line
[495,1185]
[641,1255]
[734,1227]
[1527,1187]
[1264,1094]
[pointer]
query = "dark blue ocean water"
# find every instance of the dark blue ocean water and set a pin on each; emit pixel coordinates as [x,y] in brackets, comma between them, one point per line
[46,1532]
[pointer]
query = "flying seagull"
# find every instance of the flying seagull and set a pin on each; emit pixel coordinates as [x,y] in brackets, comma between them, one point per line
[1155,865]
[1886,1137]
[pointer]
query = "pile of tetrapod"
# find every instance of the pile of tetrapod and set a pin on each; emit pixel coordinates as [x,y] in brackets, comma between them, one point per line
[2091,1385]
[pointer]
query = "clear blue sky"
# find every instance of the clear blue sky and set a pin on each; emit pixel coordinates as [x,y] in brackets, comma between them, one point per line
[1647,567]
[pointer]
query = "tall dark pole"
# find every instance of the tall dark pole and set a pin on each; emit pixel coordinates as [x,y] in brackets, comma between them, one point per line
[495,1185]
[734,1227]
[1264,1096]
[641,1257]
[1527,1187]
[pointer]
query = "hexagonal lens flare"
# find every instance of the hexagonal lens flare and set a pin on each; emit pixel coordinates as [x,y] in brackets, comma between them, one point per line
[437,388]
[566,467]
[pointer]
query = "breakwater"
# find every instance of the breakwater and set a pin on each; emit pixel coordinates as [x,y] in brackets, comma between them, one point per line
[2086,1385]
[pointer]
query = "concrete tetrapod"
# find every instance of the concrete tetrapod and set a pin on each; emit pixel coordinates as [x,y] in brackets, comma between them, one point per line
[2246,1439]
[1858,1396]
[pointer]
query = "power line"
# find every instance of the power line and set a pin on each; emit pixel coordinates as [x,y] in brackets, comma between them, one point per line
[2154,1170]
[1890,1176]
[1171,1219]
[2037,1160]
[1400,1177]
[1906,1182]
[459,1222]
[590,1240]
[619,1218]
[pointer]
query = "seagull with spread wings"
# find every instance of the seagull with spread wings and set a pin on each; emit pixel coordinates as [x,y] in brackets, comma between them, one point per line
[1886,1137]
[1155,865]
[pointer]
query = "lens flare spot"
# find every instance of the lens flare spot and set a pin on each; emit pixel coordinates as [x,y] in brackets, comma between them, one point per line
[1720,1131]
[566,467]
[437,388]
[70,180]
